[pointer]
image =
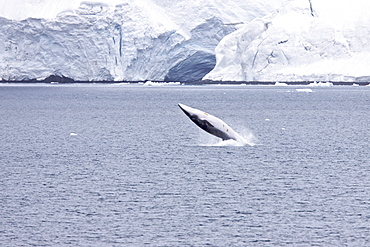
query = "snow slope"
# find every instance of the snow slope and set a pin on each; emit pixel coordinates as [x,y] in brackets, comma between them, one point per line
[23,9]
[118,39]
[304,40]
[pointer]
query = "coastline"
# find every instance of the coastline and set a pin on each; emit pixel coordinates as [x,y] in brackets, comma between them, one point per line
[203,82]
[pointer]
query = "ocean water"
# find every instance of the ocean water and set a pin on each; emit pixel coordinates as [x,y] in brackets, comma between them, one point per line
[121,165]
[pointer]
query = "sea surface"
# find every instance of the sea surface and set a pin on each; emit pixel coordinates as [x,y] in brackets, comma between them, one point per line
[122,165]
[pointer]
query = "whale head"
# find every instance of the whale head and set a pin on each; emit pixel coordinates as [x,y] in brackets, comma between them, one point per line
[196,116]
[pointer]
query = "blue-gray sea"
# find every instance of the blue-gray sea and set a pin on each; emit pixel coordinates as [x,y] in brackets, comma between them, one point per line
[122,165]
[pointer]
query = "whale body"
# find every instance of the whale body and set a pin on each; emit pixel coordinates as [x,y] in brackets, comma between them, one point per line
[210,124]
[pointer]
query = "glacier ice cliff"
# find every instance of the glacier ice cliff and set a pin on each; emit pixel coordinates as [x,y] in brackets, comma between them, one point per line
[304,40]
[185,40]
[118,39]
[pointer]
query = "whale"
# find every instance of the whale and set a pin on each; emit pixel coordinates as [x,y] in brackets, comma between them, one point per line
[210,124]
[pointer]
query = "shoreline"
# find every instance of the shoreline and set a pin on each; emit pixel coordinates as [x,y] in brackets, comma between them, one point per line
[205,82]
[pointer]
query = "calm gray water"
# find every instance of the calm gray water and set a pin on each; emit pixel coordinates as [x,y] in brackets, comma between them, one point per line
[103,165]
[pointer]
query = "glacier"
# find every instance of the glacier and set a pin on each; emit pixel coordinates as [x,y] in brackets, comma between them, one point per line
[185,40]
[317,40]
[117,40]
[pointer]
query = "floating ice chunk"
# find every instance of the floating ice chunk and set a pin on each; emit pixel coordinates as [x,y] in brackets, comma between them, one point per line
[151,84]
[320,84]
[280,84]
[122,84]
[307,90]
[73,134]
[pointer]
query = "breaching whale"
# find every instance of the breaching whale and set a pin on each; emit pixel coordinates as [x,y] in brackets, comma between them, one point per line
[210,124]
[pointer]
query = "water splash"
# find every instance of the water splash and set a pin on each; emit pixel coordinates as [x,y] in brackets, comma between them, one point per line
[246,137]
[230,143]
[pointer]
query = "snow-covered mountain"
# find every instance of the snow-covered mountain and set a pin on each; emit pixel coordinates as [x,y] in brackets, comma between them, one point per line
[179,40]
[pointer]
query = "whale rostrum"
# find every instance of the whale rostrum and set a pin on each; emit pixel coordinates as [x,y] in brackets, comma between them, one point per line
[210,124]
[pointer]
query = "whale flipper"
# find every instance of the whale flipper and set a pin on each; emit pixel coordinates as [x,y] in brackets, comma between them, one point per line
[210,124]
